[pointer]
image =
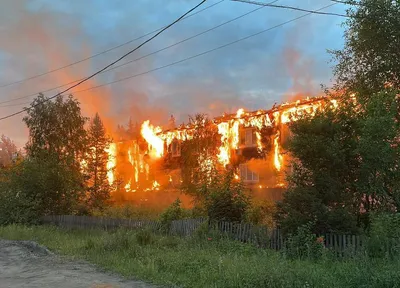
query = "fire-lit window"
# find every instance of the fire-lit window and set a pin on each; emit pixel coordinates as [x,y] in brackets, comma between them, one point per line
[247,175]
[248,137]
[175,148]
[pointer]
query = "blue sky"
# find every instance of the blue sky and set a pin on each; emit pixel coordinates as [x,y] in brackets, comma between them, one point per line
[40,35]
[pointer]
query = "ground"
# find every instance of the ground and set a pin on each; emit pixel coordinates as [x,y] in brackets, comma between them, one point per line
[26,264]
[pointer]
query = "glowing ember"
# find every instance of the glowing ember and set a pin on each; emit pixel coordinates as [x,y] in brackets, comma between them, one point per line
[111,163]
[84,165]
[334,103]
[156,144]
[156,185]
[128,186]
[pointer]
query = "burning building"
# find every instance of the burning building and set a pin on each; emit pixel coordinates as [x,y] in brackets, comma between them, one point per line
[148,158]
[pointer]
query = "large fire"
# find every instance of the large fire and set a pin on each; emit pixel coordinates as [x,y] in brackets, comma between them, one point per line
[277,155]
[237,131]
[156,144]
[111,163]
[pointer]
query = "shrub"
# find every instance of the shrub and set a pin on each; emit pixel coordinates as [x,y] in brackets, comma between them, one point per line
[226,200]
[261,213]
[384,235]
[173,212]
[304,244]
[39,186]
[15,205]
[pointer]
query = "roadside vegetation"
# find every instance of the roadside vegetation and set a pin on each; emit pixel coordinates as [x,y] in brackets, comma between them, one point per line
[206,260]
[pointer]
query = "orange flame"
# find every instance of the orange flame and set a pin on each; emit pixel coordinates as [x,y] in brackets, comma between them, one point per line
[259,142]
[224,150]
[111,163]
[156,185]
[234,134]
[156,144]
[229,129]
[239,113]
[128,186]
[277,156]
[130,157]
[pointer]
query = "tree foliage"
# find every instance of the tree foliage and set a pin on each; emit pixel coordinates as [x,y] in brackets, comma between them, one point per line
[346,165]
[199,157]
[49,180]
[8,151]
[347,159]
[370,57]
[96,165]
[379,153]
[172,213]
[226,199]
[39,186]
[322,183]
[57,127]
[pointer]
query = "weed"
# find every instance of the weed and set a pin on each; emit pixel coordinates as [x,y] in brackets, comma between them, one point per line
[200,262]
[144,237]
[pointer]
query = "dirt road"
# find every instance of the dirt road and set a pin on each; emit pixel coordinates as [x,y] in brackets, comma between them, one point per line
[26,264]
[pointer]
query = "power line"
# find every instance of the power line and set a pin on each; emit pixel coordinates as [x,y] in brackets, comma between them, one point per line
[109,65]
[198,55]
[103,52]
[142,57]
[291,8]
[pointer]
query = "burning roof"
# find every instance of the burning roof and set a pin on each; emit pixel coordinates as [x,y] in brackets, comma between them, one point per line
[229,128]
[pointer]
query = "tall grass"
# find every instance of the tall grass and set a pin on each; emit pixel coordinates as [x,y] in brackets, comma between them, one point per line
[130,211]
[206,261]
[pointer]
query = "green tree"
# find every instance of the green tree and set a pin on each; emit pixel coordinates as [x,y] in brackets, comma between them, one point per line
[346,166]
[379,152]
[347,158]
[321,187]
[199,157]
[57,147]
[97,157]
[370,57]
[57,127]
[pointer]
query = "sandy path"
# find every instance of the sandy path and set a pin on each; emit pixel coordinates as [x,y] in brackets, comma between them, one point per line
[26,264]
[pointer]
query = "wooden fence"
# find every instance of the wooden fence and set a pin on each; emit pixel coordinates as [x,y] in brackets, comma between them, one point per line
[243,232]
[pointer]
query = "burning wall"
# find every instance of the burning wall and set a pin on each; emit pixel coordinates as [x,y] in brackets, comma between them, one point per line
[250,142]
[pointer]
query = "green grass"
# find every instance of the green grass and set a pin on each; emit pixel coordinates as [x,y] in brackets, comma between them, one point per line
[204,263]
